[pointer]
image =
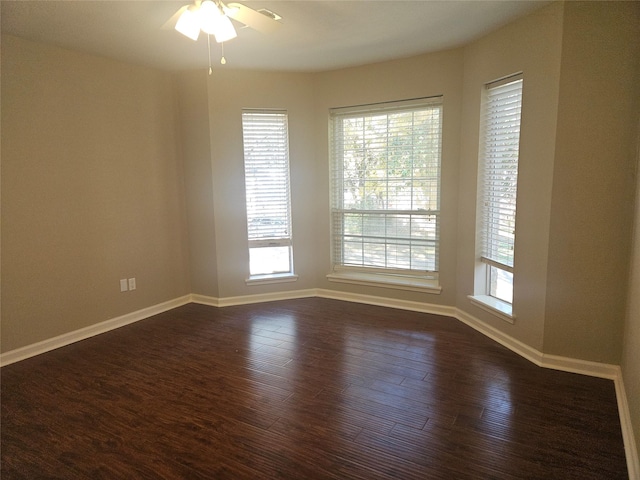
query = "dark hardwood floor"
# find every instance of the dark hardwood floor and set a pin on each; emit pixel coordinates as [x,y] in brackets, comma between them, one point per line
[309,388]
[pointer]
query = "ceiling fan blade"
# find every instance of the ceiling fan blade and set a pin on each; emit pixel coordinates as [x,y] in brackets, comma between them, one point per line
[252,18]
[171,23]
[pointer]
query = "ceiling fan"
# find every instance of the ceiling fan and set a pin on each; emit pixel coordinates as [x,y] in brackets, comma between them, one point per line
[213,18]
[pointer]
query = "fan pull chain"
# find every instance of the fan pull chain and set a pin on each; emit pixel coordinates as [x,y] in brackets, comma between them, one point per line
[209,47]
[223,60]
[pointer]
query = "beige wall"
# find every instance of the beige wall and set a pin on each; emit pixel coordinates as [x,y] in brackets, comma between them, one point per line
[532,46]
[307,98]
[229,92]
[192,92]
[92,191]
[631,348]
[593,181]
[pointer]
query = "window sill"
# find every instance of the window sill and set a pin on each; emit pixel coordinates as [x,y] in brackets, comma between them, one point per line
[274,278]
[500,309]
[387,281]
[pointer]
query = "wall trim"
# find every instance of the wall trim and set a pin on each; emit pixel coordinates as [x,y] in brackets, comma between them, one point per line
[544,360]
[630,446]
[431,308]
[566,364]
[249,299]
[44,346]
[502,338]
[572,365]
[583,367]
[205,300]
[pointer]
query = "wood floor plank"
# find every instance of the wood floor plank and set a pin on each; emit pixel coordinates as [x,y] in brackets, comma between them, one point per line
[308,388]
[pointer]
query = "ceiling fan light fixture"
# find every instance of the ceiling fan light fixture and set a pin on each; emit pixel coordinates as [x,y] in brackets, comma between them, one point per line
[214,21]
[209,14]
[189,24]
[224,29]
[230,11]
[214,18]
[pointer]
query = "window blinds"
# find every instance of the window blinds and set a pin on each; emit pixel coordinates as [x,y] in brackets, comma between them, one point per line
[266,158]
[499,155]
[386,185]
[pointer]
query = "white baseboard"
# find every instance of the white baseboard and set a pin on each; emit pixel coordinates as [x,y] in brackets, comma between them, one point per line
[630,446]
[572,365]
[205,300]
[249,299]
[322,293]
[34,349]
[583,367]
[502,338]
[555,362]
[387,302]
[547,361]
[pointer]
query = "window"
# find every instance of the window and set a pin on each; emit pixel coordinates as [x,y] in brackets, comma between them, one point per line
[498,177]
[266,166]
[385,162]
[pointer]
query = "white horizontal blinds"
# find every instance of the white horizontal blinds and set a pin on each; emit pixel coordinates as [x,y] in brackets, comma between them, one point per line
[266,160]
[386,185]
[500,147]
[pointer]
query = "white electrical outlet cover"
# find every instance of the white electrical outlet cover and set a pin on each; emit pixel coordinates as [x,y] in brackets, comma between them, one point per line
[123,285]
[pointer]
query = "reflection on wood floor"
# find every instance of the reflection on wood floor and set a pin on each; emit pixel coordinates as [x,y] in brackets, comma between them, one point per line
[302,389]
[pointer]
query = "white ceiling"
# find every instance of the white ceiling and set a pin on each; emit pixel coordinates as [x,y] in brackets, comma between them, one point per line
[314,36]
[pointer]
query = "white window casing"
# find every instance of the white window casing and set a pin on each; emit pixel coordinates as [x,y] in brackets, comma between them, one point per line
[267,184]
[499,169]
[499,153]
[385,191]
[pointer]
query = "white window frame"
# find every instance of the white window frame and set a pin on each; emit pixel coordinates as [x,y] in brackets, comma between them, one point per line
[500,130]
[266,149]
[415,279]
